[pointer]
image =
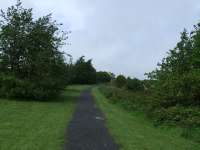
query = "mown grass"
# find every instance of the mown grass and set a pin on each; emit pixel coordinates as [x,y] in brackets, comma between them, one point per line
[132,131]
[32,125]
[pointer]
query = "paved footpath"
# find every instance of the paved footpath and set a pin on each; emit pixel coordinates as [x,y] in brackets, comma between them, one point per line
[87,130]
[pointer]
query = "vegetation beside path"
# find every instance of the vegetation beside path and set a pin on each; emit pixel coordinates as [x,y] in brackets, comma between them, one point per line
[133,131]
[34,125]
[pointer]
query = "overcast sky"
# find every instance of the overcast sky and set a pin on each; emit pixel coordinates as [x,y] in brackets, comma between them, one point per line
[122,36]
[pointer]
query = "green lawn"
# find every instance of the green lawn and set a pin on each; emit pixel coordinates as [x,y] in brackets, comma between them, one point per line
[133,131]
[36,125]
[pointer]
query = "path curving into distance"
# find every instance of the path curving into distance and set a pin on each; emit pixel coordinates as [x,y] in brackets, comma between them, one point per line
[87,130]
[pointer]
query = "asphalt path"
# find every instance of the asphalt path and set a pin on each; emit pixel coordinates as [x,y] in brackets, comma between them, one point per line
[87,130]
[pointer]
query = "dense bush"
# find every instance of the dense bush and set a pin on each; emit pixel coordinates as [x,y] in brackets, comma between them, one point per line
[120,81]
[186,117]
[103,77]
[31,65]
[18,88]
[134,84]
[138,100]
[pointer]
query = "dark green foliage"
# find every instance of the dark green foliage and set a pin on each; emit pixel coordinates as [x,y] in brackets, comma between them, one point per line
[83,72]
[134,84]
[103,77]
[31,64]
[177,82]
[120,81]
[183,116]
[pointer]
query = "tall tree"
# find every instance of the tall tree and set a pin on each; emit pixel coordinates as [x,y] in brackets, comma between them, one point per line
[178,74]
[29,54]
[84,72]
[120,81]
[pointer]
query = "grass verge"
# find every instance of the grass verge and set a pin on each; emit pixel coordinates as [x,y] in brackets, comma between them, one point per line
[133,131]
[32,125]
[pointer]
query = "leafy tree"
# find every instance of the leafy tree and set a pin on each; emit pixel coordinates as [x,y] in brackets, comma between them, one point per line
[175,70]
[103,77]
[120,81]
[177,81]
[31,64]
[84,72]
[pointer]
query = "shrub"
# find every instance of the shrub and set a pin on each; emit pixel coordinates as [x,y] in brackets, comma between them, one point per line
[130,100]
[184,116]
[12,87]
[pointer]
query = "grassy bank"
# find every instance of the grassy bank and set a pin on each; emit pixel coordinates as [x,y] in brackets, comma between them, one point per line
[36,125]
[134,132]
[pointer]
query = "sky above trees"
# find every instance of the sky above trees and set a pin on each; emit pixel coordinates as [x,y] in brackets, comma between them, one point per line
[126,37]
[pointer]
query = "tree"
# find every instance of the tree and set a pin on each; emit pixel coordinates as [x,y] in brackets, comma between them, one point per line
[134,84]
[120,81]
[103,77]
[31,64]
[84,72]
[176,83]
[178,74]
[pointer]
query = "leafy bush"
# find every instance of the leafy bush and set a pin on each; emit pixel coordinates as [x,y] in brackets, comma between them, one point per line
[12,87]
[187,117]
[139,100]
